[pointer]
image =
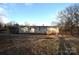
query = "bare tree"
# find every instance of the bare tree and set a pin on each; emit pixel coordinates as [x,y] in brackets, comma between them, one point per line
[26,24]
[69,19]
[12,27]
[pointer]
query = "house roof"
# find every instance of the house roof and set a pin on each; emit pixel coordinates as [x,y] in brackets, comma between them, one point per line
[38,26]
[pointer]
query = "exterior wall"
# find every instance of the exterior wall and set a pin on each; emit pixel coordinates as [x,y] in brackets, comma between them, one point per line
[32,30]
[52,30]
[39,29]
[23,30]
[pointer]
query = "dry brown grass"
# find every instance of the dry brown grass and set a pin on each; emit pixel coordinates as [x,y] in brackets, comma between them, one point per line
[45,46]
[24,44]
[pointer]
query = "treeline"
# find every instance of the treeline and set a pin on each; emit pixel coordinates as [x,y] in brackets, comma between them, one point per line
[69,20]
[9,28]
